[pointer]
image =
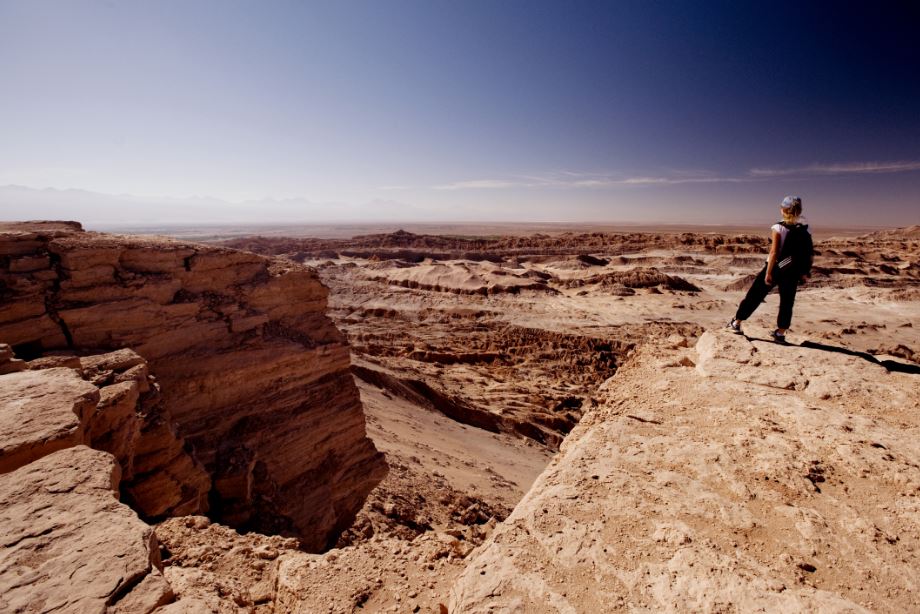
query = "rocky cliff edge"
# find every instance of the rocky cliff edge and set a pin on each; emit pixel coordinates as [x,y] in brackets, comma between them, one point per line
[738,475]
[256,415]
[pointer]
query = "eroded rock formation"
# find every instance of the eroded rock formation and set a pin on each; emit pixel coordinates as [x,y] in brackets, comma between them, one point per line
[254,377]
[740,475]
[737,475]
[111,403]
[538,358]
[415,247]
[68,545]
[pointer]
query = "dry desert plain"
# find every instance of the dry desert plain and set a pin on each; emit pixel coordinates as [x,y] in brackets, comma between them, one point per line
[566,423]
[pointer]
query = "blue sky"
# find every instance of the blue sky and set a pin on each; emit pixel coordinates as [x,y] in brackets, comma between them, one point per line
[529,111]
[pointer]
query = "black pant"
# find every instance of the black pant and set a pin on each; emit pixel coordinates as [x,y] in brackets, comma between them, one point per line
[759,291]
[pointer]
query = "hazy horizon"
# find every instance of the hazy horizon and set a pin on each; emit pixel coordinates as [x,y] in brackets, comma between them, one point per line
[536,112]
[124,212]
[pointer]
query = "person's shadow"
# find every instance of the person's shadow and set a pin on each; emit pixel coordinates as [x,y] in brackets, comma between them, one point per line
[890,365]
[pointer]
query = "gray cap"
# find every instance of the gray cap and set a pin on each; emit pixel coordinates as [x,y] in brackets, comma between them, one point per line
[790,201]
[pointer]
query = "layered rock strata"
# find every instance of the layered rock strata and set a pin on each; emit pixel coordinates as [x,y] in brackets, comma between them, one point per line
[254,375]
[62,522]
[415,248]
[739,476]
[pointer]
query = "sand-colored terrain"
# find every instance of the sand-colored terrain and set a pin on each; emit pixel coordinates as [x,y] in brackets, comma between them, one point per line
[738,475]
[526,332]
[568,428]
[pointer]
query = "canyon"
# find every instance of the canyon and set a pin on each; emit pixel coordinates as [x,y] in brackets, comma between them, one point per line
[250,373]
[406,422]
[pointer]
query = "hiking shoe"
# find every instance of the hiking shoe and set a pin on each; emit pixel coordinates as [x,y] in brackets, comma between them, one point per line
[778,337]
[735,326]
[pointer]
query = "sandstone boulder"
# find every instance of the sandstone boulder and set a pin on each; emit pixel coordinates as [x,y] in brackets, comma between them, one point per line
[41,412]
[68,545]
[8,362]
[117,411]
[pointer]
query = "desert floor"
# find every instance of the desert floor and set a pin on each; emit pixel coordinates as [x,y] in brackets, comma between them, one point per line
[475,359]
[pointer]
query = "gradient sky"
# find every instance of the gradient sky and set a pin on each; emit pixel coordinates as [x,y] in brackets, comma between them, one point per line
[495,110]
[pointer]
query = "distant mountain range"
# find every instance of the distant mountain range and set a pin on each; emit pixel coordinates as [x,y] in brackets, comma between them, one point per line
[101,210]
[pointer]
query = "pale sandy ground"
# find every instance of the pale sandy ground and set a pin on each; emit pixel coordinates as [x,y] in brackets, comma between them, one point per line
[734,476]
[495,467]
[521,356]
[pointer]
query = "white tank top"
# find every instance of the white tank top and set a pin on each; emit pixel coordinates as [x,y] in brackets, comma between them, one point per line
[783,231]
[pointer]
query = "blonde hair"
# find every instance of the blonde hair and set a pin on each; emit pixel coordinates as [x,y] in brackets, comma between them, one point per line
[791,215]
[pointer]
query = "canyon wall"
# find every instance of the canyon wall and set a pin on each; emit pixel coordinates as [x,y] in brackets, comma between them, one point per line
[251,374]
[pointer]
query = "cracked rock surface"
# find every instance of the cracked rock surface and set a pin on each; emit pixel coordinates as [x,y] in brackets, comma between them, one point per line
[68,544]
[718,487]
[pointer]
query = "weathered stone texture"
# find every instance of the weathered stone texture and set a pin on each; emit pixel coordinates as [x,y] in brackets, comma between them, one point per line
[41,412]
[107,403]
[764,478]
[254,375]
[68,545]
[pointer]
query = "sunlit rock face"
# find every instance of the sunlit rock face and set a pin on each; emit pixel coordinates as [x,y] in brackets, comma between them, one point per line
[68,545]
[738,471]
[251,373]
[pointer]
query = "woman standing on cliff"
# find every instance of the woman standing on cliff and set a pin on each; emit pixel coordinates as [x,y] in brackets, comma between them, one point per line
[788,264]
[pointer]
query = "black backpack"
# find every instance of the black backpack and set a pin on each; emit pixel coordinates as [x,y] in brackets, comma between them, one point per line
[798,250]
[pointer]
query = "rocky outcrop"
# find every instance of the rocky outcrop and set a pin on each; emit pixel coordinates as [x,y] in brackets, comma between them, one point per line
[42,412]
[68,545]
[8,361]
[737,476]
[61,519]
[160,477]
[638,277]
[108,402]
[465,278]
[253,376]
[415,248]
[224,571]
